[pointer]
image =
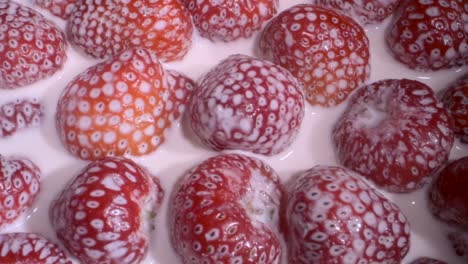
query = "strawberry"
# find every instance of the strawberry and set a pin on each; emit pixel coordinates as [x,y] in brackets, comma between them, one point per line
[31,47]
[60,8]
[19,114]
[105,213]
[447,196]
[121,106]
[30,248]
[226,211]
[335,217]
[364,11]
[427,261]
[103,29]
[19,187]
[395,133]
[326,51]
[429,35]
[230,20]
[182,88]
[454,99]
[249,104]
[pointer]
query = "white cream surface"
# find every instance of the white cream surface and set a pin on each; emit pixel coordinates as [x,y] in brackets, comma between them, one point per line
[181,151]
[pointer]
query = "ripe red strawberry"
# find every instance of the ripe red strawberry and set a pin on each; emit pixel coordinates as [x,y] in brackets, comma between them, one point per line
[364,11]
[19,187]
[104,28]
[105,214]
[249,104]
[395,133]
[30,248]
[429,35]
[427,261]
[121,106]
[326,51]
[230,20]
[226,211]
[455,100]
[31,47]
[335,217]
[181,88]
[60,8]
[448,196]
[19,114]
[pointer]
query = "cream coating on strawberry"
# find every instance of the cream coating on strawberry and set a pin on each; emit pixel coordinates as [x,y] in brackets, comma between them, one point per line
[30,248]
[364,11]
[448,197]
[332,216]
[18,115]
[395,133]
[19,187]
[105,214]
[60,8]
[249,104]
[226,210]
[103,29]
[31,47]
[122,106]
[455,100]
[430,35]
[228,20]
[325,50]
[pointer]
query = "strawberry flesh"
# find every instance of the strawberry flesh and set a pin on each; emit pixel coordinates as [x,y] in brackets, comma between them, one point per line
[455,100]
[395,133]
[226,211]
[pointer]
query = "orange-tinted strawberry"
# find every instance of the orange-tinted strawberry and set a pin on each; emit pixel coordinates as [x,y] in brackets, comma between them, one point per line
[228,20]
[325,50]
[105,28]
[60,8]
[121,106]
[364,11]
[31,47]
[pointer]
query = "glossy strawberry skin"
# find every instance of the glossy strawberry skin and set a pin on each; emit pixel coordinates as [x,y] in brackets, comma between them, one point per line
[325,50]
[429,35]
[447,196]
[122,106]
[454,99]
[230,20]
[366,12]
[32,48]
[226,211]
[335,217]
[105,28]
[19,187]
[60,8]
[30,248]
[395,133]
[19,114]
[248,104]
[105,213]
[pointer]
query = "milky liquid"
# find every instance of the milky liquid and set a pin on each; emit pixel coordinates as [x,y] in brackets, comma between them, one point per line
[181,151]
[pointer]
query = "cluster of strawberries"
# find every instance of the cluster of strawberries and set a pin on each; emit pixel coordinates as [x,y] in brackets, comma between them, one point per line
[233,208]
